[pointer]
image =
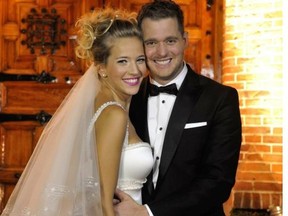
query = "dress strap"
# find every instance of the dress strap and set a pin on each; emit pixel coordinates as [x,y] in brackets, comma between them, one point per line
[98,112]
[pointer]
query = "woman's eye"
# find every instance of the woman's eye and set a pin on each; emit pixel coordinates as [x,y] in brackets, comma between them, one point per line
[123,61]
[141,60]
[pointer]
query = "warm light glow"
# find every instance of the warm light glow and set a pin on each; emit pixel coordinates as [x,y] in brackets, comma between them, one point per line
[285,107]
[253,62]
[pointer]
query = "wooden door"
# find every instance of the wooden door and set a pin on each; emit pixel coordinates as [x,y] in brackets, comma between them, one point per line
[26,105]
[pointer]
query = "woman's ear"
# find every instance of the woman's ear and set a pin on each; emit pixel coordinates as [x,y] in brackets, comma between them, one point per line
[102,71]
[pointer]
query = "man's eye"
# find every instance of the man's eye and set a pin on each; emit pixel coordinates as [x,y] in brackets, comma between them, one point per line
[171,42]
[150,43]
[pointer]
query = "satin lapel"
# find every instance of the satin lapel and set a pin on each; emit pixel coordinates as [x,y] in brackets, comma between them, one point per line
[185,101]
[138,111]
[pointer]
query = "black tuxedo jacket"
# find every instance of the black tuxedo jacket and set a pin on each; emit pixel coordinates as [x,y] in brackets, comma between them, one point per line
[200,151]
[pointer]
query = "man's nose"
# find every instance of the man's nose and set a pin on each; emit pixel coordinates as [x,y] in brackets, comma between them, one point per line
[161,49]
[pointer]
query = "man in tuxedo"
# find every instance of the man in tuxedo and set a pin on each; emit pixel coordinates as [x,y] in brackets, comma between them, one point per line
[194,127]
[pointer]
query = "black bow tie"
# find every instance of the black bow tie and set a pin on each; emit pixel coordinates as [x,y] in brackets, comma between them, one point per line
[169,89]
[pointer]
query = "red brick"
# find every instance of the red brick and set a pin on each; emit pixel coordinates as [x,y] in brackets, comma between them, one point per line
[252,139]
[259,177]
[229,61]
[277,168]
[247,200]
[253,157]
[255,93]
[238,197]
[277,131]
[256,130]
[256,201]
[276,199]
[266,200]
[272,139]
[255,166]
[228,77]
[243,186]
[273,187]
[277,149]
[272,158]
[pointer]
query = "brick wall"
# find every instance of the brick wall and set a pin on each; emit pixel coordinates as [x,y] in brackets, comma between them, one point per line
[252,63]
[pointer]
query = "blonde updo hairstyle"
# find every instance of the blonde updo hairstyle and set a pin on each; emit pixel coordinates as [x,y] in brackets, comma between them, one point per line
[98,29]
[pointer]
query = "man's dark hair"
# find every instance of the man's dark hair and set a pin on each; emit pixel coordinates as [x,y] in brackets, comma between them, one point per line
[160,9]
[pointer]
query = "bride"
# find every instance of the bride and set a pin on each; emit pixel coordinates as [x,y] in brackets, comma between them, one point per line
[89,148]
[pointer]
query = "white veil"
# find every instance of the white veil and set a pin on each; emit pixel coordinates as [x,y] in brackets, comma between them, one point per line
[61,177]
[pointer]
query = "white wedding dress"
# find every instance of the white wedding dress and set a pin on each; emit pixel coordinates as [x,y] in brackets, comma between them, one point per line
[136,162]
[62,176]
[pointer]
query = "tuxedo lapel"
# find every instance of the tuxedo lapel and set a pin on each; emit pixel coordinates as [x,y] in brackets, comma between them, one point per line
[138,111]
[185,101]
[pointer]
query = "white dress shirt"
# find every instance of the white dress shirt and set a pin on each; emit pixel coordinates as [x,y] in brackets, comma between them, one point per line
[159,111]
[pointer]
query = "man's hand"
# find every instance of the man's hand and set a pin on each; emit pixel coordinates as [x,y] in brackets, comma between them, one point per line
[127,206]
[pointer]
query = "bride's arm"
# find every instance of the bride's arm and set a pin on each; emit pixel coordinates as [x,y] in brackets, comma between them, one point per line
[110,134]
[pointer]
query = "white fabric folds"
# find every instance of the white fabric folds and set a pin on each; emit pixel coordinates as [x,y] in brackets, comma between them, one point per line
[61,177]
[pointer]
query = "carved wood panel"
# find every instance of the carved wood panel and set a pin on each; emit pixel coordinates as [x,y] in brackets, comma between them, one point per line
[18,141]
[27,97]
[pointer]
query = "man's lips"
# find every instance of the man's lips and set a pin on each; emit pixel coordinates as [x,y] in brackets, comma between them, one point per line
[163,62]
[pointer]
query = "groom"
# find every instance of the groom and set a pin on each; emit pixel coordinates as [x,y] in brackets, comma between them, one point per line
[195,132]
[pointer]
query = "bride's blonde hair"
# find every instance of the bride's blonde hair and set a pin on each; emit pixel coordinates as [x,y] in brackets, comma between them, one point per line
[98,29]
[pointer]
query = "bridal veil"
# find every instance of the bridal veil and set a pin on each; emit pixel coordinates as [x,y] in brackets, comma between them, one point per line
[61,177]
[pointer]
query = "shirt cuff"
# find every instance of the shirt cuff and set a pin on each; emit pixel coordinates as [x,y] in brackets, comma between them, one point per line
[148,209]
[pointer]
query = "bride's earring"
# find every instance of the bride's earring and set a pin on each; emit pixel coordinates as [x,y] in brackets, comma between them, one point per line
[101,72]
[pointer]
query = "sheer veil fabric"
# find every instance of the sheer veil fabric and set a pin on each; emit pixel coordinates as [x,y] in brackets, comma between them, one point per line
[61,177]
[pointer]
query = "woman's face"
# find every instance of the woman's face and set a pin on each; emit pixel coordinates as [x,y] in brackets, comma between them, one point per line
[126,66]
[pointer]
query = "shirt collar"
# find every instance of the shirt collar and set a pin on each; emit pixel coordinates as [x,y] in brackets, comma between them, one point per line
[178,79]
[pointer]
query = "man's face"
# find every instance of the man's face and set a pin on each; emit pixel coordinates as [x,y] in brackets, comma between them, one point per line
[164,48]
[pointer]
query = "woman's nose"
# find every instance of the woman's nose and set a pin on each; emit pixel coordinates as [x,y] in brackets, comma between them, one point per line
[134,70]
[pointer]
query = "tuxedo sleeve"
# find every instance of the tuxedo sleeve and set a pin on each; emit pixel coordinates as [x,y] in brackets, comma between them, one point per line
[215,177]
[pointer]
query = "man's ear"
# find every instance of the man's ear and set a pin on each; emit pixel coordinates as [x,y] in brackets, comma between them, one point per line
[185,38]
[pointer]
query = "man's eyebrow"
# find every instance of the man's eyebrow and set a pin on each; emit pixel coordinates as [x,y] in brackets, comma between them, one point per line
[167,38]
[171,37]
[150,39]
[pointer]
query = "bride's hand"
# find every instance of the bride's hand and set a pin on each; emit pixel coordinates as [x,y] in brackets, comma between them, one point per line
[127,206]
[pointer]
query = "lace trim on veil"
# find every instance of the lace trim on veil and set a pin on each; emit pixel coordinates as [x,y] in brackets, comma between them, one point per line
[61,177]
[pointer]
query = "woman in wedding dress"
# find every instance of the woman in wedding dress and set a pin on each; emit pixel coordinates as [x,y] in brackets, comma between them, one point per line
[89,147]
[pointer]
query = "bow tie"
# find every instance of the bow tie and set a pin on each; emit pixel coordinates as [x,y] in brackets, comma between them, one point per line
[169,89]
